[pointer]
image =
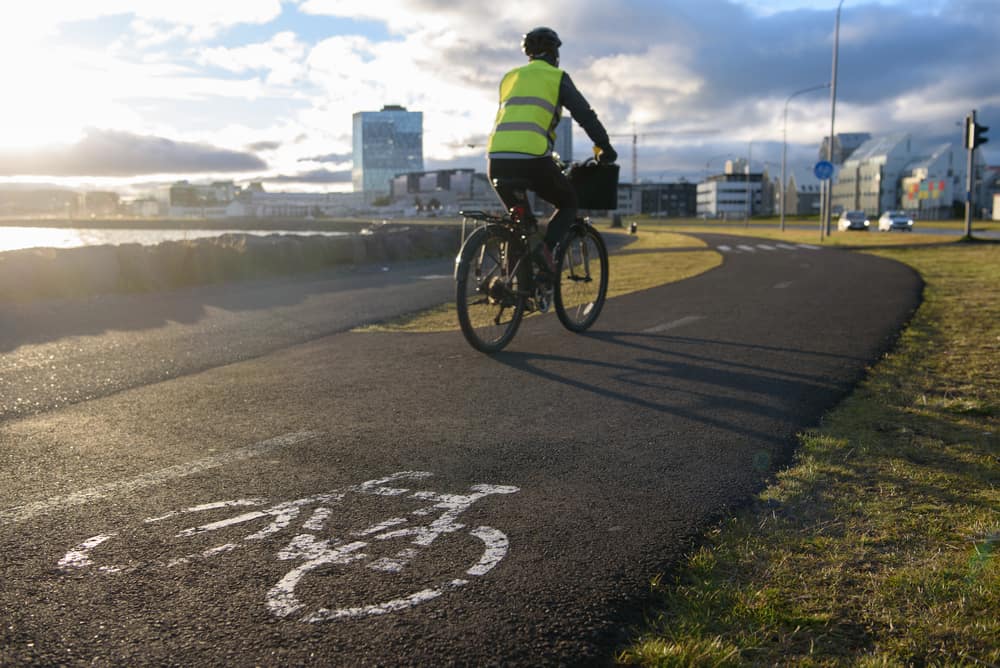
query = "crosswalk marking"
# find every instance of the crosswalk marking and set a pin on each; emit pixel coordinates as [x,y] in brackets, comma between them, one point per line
[746,248]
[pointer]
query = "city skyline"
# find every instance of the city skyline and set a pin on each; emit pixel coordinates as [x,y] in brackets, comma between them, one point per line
[113,95]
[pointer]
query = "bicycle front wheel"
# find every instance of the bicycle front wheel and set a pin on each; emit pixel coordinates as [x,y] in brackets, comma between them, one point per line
[582,277]
[492,278]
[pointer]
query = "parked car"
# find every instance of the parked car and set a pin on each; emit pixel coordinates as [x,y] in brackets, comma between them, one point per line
[895,220]
[853,220]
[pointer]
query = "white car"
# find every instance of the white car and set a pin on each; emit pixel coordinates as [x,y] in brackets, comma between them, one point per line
[853,220]
[895,220]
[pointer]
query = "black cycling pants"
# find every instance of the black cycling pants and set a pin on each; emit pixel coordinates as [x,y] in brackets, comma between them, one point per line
[547,181]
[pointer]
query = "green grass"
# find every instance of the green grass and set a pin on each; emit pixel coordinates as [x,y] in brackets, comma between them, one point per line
[878,545]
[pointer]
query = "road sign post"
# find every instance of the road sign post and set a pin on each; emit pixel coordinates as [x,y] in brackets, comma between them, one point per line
[823,170]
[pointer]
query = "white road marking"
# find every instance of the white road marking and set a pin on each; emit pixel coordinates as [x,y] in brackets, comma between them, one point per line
[79,557]
[316,552]
[787,247]
[749,249]
[686,320]
[724,249]
[496,548]
[31,510]
[782,286]
[435,277]
[766,247]
[808,246]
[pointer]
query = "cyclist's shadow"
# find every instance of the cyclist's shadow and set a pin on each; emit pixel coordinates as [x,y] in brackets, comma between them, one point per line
[659,371]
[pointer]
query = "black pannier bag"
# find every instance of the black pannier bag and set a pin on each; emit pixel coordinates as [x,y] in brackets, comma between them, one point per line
[596,185]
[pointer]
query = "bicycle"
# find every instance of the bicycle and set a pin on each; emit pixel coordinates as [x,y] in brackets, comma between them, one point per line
[498,280]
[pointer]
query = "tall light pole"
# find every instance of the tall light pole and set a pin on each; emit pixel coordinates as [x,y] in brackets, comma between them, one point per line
[784,149]
[827,212]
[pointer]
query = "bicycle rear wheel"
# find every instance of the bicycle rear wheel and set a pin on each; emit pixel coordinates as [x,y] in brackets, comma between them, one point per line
[491,290]
[582,277]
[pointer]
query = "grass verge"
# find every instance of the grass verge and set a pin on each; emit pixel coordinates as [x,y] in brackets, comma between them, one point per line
[878,545]
[654,258]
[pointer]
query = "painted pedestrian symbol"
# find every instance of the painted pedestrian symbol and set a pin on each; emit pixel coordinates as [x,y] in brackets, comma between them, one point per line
[387,549]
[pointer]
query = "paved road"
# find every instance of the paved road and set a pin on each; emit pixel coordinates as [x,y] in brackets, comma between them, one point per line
[401,499]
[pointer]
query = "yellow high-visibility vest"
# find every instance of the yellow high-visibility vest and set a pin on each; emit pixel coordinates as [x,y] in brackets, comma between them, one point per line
[525,122]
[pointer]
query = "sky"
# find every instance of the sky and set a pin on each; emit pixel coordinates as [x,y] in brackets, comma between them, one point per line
[126,93]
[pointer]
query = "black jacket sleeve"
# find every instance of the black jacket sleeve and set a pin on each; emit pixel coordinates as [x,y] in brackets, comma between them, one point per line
[579,109]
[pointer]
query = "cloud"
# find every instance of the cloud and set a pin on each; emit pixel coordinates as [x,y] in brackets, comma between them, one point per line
[111,153]
[264,146]
[330,157]
[312,176]
[281,57]
[179,70]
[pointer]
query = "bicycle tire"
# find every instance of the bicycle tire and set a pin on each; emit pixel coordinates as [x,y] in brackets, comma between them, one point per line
[581,278]
[492,275]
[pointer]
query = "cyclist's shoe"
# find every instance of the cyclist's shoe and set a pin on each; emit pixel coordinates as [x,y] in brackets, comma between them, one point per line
[543,260]
[543,298]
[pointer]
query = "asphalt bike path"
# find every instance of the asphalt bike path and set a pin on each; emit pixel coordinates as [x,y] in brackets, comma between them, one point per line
[58,352]
[396,499]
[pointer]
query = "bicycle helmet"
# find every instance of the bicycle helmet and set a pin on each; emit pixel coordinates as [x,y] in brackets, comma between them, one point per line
[540,41]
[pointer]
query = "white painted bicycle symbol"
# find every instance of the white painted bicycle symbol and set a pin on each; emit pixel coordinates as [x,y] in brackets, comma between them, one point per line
[317,554]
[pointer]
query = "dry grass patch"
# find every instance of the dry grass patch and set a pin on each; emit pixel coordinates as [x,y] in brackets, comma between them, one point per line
[878,546]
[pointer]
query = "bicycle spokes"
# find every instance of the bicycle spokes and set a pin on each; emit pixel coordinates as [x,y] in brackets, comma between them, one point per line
[583,279]
[490,291]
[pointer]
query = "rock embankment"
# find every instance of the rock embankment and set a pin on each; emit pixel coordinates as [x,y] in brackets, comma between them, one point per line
[40,273]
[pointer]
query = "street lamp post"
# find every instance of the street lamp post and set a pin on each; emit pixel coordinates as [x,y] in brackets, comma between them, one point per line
[827,212]
[784,149]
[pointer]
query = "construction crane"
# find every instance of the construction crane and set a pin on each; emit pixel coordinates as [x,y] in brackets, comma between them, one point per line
[635,143]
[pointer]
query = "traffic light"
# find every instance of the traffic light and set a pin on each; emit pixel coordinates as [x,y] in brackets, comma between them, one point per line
[975,134]
[978,134]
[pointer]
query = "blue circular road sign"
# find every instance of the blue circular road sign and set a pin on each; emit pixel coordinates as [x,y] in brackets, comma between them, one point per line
[823,170]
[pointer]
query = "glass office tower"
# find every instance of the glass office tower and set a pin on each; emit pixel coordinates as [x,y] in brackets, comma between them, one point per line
[386,143]
[564,139]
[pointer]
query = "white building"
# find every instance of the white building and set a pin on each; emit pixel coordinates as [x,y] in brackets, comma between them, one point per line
[869,180]
[933,185]
[895,172]
[726,195]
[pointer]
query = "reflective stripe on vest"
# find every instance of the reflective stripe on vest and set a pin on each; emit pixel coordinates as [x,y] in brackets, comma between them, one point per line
[529,99]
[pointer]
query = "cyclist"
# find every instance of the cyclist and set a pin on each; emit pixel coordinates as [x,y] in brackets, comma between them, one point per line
[531,101]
